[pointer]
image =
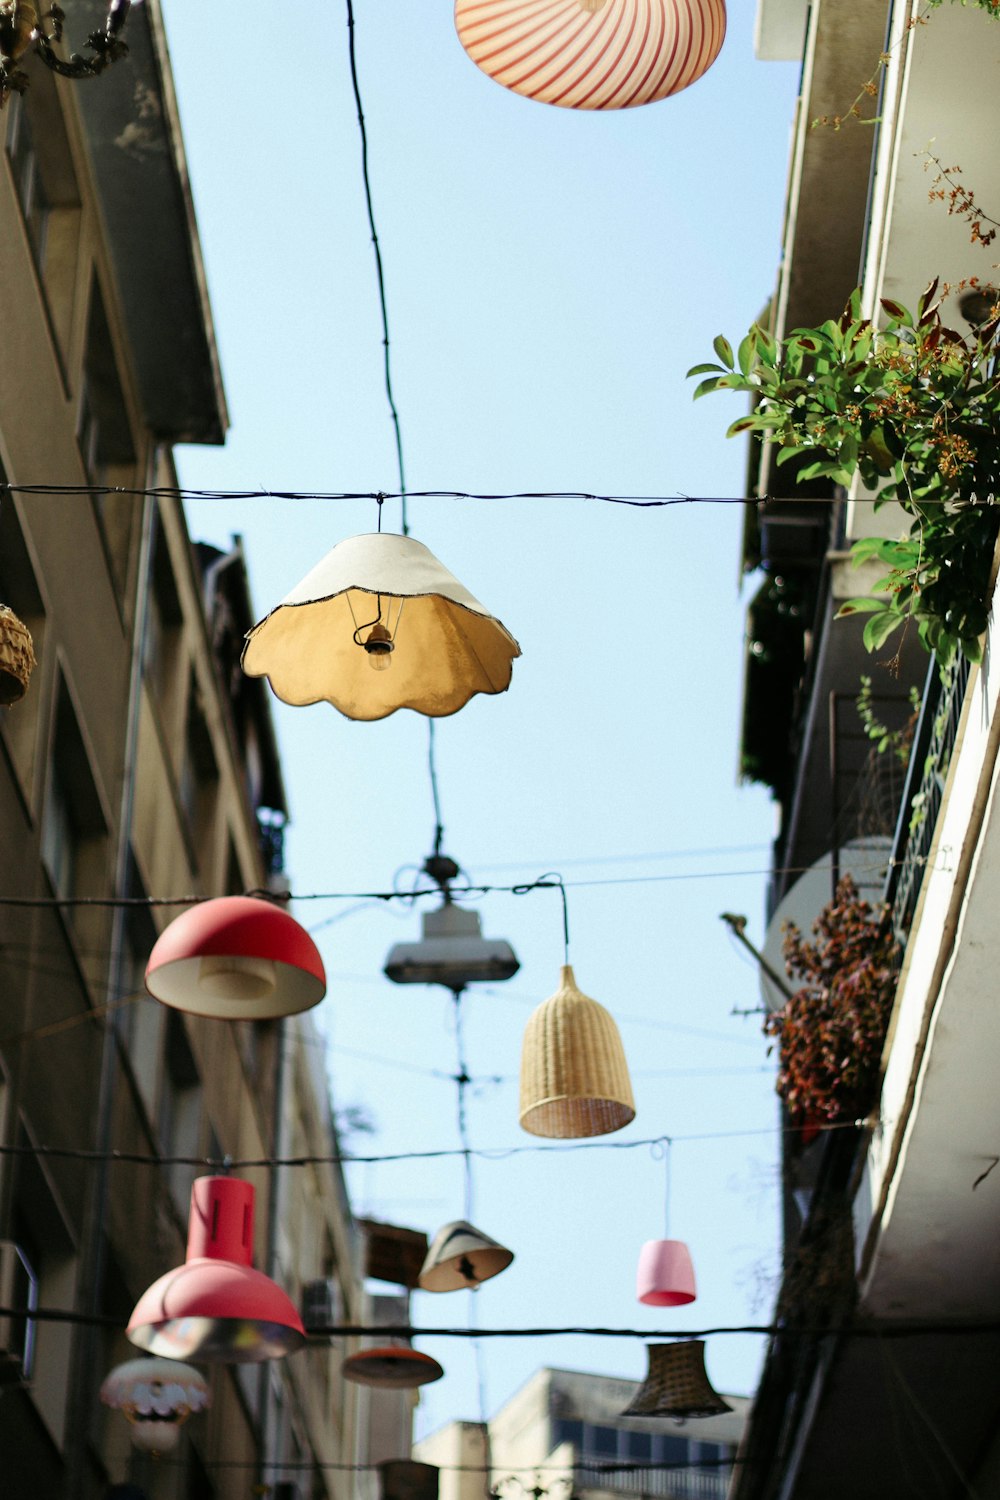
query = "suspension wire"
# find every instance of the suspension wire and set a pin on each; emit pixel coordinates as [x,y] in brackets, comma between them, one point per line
[462,1081]
[379,271]
[435,793]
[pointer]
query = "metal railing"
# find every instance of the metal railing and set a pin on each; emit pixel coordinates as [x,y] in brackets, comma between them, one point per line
[933,743]
[665,1484]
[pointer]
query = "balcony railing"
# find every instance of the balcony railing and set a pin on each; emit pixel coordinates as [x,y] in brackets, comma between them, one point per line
[933,743]
[710,1483]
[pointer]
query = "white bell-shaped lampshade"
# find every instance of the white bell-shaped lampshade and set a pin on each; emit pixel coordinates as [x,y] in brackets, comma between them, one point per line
[381,602]
[592,54]
[157,1396]
[462,1257]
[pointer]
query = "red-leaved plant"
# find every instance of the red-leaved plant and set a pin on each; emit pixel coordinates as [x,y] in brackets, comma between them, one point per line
[830,1032]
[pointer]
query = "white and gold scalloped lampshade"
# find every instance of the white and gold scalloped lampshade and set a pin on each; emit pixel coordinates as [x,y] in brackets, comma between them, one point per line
[574,1077]
[381,624]
[592,54]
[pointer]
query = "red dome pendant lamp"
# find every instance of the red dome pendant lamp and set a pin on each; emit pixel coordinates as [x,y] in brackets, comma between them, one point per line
[665,1277]
[216,1306]
[236,958]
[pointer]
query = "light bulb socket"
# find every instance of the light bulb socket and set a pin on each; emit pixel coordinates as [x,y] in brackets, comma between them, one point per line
[379,642]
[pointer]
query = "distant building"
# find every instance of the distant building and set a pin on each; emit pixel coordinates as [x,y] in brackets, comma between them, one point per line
[564,1433]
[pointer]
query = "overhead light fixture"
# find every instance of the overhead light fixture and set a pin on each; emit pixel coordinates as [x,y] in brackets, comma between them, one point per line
[381,601]
[574,1077]
[17,657]
[665,1277]
[452,950]
[676,1384]
[26,26]
[157,1396]
[461,1257]
[392,1366]
[216,1306]
[592,54]
[236,958]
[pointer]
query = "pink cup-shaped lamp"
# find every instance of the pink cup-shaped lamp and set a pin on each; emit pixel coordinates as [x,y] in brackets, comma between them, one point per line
[666,1276]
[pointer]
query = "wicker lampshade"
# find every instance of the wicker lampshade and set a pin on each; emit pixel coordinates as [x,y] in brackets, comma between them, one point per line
[17,658]
[574,1078]
[592,54]
[676,1384]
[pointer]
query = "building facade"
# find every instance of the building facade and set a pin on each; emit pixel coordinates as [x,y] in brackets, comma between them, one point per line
[140,764]
[877,1382]
[562,1434]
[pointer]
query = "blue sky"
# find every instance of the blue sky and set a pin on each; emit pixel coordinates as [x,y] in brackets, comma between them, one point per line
[550,276]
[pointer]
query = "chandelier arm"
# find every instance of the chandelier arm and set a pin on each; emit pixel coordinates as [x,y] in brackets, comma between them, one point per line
[106,45]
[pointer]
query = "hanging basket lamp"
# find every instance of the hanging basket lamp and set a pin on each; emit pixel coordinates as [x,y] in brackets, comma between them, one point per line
[392,1366]
[216,1306]
[574,1078]
[676,1384]
[17,657]
[461,1257]
[157,1396]
[380,625]
[236,958]
[592,54]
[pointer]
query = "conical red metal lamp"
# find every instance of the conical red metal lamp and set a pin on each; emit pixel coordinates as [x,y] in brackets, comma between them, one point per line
[236,958]
[216,1306]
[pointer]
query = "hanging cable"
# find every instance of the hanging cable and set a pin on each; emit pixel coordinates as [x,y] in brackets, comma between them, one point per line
[379,272]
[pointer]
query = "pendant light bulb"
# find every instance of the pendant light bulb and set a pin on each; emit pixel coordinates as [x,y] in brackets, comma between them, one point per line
[379,646]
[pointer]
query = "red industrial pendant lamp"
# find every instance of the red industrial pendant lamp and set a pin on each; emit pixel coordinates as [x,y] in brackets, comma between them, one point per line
[216,1306]
[236,958]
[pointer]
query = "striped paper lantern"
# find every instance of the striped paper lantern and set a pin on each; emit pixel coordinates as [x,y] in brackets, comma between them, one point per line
[592,54]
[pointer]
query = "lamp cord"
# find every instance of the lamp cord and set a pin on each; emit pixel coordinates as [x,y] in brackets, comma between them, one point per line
[551,879]
[656,1150]
[379,271]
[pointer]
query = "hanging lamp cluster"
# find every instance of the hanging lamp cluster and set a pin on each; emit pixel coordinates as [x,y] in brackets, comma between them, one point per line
[592,54]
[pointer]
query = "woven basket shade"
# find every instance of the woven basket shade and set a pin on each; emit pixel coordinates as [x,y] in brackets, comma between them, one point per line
[17,657]
[592,54]
[574,1078]
[676,1384]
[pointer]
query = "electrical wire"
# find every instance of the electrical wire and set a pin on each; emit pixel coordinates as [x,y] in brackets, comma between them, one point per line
[648,502]
[520,889]
[379,273]
[481,1153]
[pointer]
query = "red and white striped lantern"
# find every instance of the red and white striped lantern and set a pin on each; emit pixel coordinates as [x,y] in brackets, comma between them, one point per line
[592,54]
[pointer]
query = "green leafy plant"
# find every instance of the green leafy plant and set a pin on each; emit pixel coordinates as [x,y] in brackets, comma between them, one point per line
[898,742]
[913,407]
[831,1030]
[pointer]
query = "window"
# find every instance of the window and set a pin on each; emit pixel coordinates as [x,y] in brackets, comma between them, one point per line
[18,589]
[40,160]
[39,1227]
[74,831]
[141,1018]
[104,435]
[28,182]
[180,1110]
[199,781]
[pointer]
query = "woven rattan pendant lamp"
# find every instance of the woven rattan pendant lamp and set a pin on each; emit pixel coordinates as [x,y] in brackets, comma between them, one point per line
[592,54]
[574,1077]
[17,657]
[380,625]
[676,1384]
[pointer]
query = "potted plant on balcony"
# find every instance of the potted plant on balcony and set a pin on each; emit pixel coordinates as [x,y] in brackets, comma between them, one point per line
[831,1030]
[913,407]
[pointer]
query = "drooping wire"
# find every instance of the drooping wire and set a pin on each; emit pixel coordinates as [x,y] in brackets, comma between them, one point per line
[379,272]
[544,882]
